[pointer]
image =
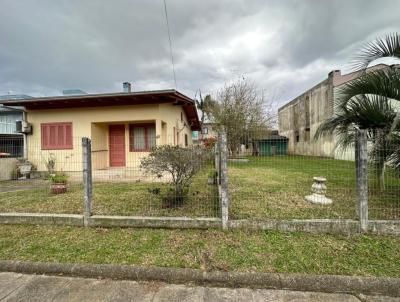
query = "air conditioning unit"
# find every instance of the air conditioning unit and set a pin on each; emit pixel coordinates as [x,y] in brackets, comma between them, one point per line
[23,127]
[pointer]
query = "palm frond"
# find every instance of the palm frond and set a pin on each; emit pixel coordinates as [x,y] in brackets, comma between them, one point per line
[385,83]
[388,46]
[363,111]
[394,157]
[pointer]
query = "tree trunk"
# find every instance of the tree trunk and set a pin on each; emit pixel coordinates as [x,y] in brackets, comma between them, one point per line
[255,151]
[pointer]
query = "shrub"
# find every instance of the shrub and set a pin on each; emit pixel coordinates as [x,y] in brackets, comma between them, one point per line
[210,142]
[59,178]
[181,164]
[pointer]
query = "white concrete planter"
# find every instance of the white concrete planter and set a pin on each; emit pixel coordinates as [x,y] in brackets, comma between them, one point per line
[318,190]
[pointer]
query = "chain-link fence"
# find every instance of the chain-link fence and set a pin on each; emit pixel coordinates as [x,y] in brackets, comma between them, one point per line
[256,177]
[49,178]
[384,181]
[142,181]
[271,177]
[45,180]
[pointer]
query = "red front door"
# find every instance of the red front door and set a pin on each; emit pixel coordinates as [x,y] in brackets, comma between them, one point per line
[116,141]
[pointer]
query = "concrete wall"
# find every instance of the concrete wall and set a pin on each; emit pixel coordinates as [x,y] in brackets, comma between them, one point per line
[94,122]
[7,165]
[300,119]
[309,110]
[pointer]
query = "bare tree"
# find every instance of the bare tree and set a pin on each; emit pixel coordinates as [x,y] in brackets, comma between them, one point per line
[240,107]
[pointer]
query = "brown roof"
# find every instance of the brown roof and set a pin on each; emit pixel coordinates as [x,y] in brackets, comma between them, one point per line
[112,99]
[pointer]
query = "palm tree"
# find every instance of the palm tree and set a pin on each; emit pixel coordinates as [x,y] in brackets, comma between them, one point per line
[204,106]
[367,103]
[388,46]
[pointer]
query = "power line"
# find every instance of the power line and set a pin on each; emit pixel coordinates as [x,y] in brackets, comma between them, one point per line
[170,43]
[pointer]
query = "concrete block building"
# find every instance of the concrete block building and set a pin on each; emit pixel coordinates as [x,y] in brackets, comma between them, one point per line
[300,118]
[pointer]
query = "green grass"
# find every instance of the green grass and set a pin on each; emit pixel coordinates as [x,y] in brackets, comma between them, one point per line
[205,249]
[274,187]
[266,187]
[111,198]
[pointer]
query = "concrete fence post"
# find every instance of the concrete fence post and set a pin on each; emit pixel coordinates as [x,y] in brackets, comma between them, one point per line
[223,162]
[361,161]
[87,179]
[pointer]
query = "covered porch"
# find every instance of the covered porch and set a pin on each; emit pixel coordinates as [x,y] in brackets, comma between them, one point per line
[121,145]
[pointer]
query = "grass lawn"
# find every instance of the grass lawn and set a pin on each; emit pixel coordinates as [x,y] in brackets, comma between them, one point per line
[111,198]
[274,187]
[210,250]
[266,187]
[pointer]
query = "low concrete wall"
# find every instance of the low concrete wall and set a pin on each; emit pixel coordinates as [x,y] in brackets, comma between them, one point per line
[390,227]
[329,226]
[7,165]
[109,221]
[41,218]
[154,222]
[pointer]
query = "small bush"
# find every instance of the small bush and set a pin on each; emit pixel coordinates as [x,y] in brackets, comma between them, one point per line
[209,143]
[180,164]
[59,178]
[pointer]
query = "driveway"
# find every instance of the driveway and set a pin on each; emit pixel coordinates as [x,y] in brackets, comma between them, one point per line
[19,287]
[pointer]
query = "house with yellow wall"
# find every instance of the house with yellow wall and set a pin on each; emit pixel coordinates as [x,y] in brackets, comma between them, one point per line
[123,127]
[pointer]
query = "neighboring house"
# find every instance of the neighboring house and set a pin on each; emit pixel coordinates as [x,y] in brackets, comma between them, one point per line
[11,142]
[123,126]
[300,118]
[208,130]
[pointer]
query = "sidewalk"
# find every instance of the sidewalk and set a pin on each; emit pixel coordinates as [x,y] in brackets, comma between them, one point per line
[20,287]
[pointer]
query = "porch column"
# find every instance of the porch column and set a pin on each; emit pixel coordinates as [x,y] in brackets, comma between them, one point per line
[158,133]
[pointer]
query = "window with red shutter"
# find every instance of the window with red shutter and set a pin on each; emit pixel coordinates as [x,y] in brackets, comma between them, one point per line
[56,136]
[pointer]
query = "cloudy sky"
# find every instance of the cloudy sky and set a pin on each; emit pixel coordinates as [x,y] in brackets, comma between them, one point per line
[284,46]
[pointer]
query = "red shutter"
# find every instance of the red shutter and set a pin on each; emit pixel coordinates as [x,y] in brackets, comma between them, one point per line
[68,135]
[56,136]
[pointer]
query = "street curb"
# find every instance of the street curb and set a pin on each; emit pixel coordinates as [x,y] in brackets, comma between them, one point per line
[296,282]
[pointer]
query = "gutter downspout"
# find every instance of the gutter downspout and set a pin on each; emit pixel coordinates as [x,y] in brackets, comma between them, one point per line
[25,137]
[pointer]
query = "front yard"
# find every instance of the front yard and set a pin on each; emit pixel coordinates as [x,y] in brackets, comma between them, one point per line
[205,249]
[275,186]
[113,198]
[265,187]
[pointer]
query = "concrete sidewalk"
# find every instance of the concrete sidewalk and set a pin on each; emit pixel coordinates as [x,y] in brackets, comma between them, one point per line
[20,287]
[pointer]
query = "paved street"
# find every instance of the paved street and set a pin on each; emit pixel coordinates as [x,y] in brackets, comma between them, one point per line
[19,287]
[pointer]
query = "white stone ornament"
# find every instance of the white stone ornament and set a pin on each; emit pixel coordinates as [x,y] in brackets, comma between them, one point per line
[318,190]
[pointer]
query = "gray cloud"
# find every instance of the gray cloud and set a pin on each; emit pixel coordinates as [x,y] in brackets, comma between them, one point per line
[283,46]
